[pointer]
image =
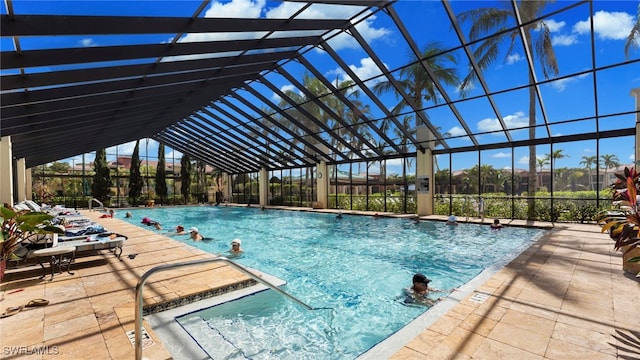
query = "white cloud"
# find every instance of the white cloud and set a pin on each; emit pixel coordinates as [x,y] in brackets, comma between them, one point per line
[486,125]
[284,88]
[367,70]
[126,148]
[501,155]
[512,59]
[365,28]
[607,25]
[236,9]
[456,131]
[250,9]
[523,160]
[554,26]
[327,11]
[632,157]
[88,43]
[564,40]
[516,120]
[561,84]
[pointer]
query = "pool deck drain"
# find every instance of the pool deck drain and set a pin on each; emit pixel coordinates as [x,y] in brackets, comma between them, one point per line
[479,297]
[147,341]
[540,306]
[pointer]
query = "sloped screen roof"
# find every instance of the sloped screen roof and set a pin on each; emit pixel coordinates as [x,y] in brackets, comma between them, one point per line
[287,84]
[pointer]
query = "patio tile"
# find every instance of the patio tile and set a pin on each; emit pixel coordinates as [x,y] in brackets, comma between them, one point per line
[594,340]
[520,338]
[425,342]
[74,342]
[528,322]
[75,325]
[492,350]
[560,350]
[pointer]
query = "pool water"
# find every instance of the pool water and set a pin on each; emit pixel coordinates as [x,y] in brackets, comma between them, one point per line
[357,266]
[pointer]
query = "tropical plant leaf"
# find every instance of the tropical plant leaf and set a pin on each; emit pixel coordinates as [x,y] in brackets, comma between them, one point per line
[634,259]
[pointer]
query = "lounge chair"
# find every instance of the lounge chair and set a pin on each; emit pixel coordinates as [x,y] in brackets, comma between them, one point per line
[106,240]
[114,242]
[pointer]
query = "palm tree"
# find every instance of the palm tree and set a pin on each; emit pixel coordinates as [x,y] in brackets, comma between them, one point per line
[541,162]
[609,161]
[404,140]
[589,161]
[555,155]
[417,83]
[537,40]
[316,87]
[634,35]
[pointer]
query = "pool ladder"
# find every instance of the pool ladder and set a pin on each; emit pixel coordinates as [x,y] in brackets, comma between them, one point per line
[97,201]
[242,269]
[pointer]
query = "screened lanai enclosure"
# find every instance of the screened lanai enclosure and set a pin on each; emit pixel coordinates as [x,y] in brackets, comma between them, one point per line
[524,108]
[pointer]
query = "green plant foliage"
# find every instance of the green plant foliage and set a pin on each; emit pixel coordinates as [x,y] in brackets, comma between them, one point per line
[101,186]
[161,175]
[185,177]
[17,226]
[135,179]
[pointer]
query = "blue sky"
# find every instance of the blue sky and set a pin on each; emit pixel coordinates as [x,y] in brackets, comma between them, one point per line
[566,99]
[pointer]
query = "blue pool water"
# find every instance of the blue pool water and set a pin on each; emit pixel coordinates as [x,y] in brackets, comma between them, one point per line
[358,266]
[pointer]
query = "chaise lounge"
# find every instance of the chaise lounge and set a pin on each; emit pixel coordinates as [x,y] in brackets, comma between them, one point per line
[113,242]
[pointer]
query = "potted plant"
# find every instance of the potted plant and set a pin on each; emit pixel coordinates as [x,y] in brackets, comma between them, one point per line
[18,226]
[623,222]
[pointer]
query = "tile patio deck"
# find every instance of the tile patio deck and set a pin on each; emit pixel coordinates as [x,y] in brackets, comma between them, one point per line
[565,297]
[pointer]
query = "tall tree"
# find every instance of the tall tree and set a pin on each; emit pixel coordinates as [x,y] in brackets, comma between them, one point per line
[404,140]
[185,177]
[101,186]
[499,21]
[554,156]
[633,40]
[609,161]
[135,179]
[416,82]
[542,161]
[588,162]
[161,175]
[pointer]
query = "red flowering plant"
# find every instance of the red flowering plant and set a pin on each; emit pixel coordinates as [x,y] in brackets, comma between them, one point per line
[623,222]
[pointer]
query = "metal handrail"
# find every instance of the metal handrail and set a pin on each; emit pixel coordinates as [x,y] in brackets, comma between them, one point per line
[242,269]
[96,200]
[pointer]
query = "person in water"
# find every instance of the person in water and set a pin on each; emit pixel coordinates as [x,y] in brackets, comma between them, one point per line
[235,247]
[194,234]
[180,230]
[419,291]
[496,225]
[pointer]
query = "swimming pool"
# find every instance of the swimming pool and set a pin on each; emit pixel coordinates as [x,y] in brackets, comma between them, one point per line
[357,266]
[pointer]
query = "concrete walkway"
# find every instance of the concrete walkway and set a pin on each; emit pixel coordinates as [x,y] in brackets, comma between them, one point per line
[566,297]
